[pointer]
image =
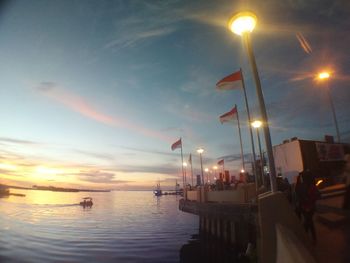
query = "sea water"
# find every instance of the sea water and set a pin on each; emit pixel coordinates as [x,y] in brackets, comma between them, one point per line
[121,226]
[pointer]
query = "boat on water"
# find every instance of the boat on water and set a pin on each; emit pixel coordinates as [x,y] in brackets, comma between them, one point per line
[158,191]
[4,191]
[87,202]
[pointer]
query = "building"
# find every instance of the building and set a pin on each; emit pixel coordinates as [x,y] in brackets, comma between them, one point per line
[325,159]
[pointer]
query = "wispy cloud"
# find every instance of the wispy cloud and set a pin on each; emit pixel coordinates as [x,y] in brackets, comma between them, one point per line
[102,156]
[130,39]
[17,141]
[100,177]
[149,151]
[85,108]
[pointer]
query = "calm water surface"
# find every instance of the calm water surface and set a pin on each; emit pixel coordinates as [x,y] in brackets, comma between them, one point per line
[121,226]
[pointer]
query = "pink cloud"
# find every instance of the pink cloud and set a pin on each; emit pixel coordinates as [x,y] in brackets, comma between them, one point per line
[85,108]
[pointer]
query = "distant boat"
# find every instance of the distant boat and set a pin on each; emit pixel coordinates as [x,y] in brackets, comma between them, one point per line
[87,202]
[157,191]
[4,191]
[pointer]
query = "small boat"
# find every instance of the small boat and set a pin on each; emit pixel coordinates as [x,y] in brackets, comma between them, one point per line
[4,191]
[87,202]
[158,191]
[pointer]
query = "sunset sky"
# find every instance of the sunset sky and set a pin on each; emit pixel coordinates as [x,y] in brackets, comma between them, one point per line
[93,93]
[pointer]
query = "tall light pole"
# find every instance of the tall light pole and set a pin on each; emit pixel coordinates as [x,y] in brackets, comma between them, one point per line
[200,151]
[207,171]
[215,168]
[185,170]
[243,24]
[257,124]
[324,76]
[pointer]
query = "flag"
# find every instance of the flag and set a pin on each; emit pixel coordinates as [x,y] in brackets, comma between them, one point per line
[176,145]
[229,116]
[190,159]
[221,162]
[233,81]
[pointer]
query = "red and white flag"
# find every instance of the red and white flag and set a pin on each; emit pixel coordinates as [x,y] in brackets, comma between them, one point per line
[176,145]
[229,116]
[221,162]
[233,81]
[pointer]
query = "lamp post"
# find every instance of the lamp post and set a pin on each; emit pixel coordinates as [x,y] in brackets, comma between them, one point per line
[215,168]
[185,170]
[200,151]
[207,171]
[257,124]
[324,76]
[242,24]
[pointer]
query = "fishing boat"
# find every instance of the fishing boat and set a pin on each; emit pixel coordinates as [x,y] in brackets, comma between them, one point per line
[87,202]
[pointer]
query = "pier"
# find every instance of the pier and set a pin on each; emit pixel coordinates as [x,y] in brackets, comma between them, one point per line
[268,223]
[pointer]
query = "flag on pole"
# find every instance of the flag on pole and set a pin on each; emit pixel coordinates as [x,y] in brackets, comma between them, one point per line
[229,116]
[221,162]
[233,81]
[190,159]
[176,145]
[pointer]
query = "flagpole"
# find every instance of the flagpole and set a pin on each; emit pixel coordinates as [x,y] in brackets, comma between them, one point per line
[250,130]
[182,166]
[240,138]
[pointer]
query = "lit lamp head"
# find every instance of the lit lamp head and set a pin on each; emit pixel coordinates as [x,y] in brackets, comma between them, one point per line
[323,75]
[215,167]
[242,171]
[206,170]
[184,164]
[256,124]
[200,151]
[243,22]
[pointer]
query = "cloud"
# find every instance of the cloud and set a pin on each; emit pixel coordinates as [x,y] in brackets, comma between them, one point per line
[236,157]
[130,39]
[149,151]
[17,141]
[82,106]
[99,177]
[102,156]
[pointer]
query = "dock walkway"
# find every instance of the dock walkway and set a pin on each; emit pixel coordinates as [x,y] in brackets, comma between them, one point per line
[332,225]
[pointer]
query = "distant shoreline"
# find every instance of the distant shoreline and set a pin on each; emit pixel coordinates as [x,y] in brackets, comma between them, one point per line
[54,189]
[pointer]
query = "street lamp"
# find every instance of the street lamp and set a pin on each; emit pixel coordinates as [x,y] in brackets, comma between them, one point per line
[207,171]
[324,76]
[185,165]
[215,168]
[242,24]
[257,124]
[200,151]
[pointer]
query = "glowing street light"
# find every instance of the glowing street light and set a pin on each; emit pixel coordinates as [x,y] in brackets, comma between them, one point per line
[243,24]
[257,124]
[200,151]
[324,76]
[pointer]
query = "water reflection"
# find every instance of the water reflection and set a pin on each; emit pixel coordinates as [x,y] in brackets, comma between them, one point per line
[203,248]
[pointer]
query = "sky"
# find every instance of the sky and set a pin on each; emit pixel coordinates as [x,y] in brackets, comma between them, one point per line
[93,93]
